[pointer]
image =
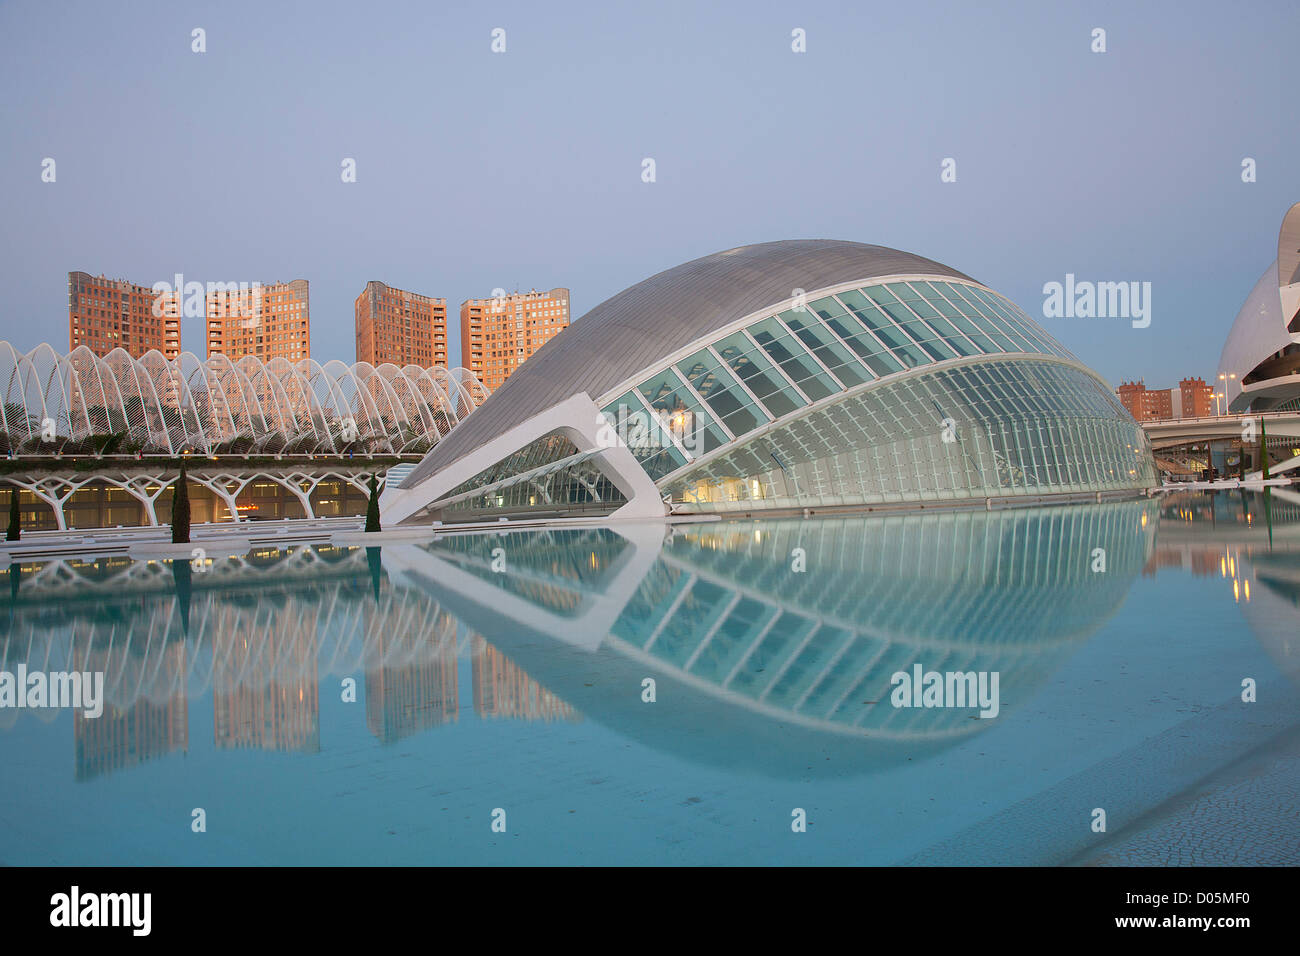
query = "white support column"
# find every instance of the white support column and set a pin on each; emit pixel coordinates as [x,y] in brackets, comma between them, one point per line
[138,486]
[290,483]
[362,487]
[216,485]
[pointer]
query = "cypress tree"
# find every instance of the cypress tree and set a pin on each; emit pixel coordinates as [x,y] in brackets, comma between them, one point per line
[376,564]
[15,523]
[1263,451]
[372,508]
[181,575]
[180,510]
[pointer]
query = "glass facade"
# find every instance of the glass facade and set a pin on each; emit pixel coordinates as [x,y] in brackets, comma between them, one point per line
[831,403]
[990,429]
[804,355]
[547,475]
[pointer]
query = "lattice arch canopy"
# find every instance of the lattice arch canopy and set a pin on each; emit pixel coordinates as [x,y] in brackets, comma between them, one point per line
[150,404]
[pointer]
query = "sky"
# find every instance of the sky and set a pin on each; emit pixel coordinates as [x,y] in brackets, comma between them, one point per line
[478,170]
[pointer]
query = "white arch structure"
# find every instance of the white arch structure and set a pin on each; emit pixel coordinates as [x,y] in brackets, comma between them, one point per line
[162,406]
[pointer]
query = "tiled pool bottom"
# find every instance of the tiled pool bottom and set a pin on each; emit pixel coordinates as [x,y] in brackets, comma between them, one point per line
[516,696]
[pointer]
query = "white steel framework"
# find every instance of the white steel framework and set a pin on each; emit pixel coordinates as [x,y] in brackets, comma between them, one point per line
[55,402]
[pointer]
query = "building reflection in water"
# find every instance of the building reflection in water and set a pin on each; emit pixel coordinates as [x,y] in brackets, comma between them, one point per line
[411,677]
[502,689]
[1227,535]
[264,678]
[768,641]
[155,723]
[259,632]
[776,639]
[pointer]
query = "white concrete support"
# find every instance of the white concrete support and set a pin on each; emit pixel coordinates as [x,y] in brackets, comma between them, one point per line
[578,419]
[56,490]
[293,485]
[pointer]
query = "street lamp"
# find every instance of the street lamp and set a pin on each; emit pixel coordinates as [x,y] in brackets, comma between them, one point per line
[1225,379]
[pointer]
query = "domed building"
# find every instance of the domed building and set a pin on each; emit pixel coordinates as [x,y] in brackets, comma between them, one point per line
[785,375]
[1260,364]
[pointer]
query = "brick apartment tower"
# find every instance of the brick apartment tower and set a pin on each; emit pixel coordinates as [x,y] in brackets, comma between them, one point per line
[1145,404]
[498,335]
[1197,398]
[104,314]
[270,321]
[404,328]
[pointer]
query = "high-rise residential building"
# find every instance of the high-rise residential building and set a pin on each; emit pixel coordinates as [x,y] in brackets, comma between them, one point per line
[1145,404]
[404,328]
[1197,398]
[497,335]
[1191,399]
[104,314]
[269,321]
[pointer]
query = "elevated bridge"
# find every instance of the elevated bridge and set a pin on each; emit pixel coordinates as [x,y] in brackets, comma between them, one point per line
[1171,433]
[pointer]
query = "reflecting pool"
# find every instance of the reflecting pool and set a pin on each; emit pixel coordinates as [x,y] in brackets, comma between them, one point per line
[938,687]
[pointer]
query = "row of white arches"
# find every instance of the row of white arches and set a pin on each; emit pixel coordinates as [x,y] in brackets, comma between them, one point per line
[153,404]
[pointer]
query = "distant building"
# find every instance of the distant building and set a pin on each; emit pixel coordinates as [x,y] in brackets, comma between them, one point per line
[1191,399]
[1146,404]
[104,314]
[404,328]
[497,335]
[1197,398]
[270,321]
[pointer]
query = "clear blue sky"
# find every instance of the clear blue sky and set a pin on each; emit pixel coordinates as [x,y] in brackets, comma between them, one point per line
[477,170]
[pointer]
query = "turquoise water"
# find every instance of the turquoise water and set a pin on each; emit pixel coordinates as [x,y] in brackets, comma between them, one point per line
[386,705]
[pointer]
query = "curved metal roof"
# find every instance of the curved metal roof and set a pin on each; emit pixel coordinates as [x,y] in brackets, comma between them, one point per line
[1260,328]
[1288,247]
[638,326]
[1256,333]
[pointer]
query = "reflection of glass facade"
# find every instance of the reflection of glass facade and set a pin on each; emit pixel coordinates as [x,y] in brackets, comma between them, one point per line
[722,606]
